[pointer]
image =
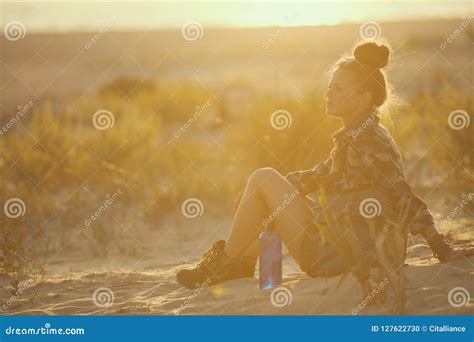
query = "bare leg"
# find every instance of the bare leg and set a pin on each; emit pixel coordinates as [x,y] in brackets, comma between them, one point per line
[267,190]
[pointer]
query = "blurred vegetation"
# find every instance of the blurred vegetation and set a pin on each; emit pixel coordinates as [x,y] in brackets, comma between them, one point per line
[65,167]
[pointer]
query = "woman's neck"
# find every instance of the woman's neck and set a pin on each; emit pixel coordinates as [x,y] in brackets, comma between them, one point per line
[352,120]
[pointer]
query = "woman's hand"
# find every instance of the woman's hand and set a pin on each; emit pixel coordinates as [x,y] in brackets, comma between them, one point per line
[237,200]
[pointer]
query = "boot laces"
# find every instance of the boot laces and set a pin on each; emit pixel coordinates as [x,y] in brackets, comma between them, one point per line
[210,259]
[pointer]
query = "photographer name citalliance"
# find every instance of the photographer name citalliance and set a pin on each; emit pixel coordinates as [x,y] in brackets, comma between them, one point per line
[446,328]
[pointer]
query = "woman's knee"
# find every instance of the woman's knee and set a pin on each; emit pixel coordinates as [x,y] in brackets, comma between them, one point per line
[264,174]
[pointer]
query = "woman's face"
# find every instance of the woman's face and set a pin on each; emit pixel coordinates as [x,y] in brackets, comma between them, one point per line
[344,98]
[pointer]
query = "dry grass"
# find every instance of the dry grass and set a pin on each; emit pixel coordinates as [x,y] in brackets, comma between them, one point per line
[63,168]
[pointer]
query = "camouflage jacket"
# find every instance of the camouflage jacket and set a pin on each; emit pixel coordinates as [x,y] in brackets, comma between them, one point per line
[365,156]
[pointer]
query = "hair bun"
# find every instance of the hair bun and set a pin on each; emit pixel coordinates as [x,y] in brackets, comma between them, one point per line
[372,55]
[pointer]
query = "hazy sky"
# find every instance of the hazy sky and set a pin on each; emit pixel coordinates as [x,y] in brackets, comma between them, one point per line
[91,15]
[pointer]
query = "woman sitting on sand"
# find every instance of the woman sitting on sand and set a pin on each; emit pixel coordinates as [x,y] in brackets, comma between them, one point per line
[364,157]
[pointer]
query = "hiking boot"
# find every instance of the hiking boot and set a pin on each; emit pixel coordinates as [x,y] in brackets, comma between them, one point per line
[216,267]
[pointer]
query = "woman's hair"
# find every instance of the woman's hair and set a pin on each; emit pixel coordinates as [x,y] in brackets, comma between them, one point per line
[367,61]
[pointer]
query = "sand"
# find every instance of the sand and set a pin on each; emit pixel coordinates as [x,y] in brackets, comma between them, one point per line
[148,289]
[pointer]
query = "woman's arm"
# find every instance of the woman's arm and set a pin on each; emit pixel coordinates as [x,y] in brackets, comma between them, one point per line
[383,166]
[380,163]
[307,181]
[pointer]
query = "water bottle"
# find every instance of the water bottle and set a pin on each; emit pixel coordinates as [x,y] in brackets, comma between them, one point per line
[270,259]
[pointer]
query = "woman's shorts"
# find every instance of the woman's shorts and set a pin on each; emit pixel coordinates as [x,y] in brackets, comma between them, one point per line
[319,259]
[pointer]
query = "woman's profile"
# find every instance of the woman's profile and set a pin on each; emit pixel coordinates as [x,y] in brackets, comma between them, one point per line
[365,158]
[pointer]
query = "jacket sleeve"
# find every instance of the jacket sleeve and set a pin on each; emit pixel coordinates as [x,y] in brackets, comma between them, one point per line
[307,181]
[381,165]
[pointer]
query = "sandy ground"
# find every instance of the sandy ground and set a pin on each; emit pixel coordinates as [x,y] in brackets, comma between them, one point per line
[150,290]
